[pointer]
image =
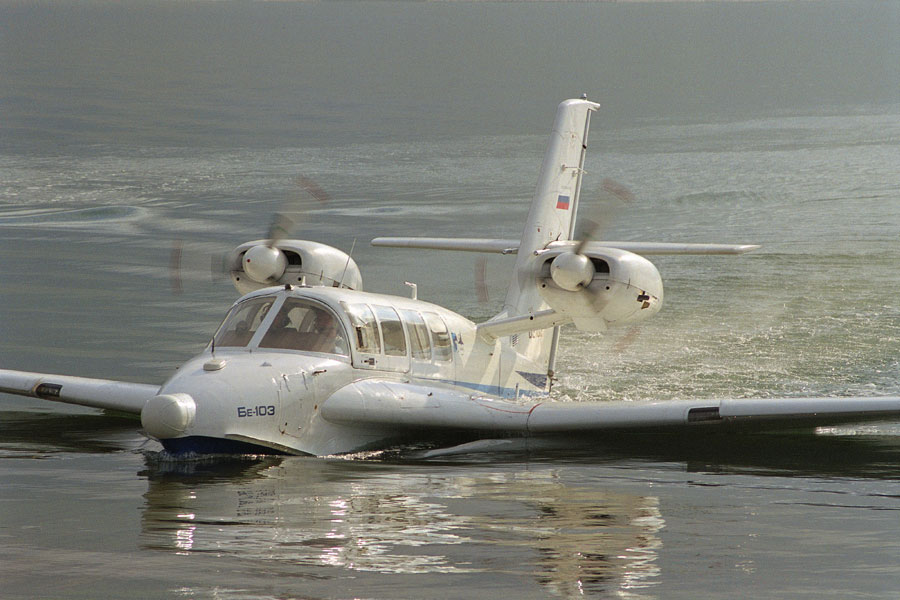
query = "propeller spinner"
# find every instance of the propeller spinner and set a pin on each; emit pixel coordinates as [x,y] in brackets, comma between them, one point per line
[264,263]
[595,285]
[572,271]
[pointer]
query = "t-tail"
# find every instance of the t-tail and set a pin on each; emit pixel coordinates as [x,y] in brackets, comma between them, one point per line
[557,280]
[551,218]
[555,202]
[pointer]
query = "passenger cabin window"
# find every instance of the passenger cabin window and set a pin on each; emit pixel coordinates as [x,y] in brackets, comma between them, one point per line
[439,334]
[306,326]
[391,331]
[419,342]
[365,328]
[242,322]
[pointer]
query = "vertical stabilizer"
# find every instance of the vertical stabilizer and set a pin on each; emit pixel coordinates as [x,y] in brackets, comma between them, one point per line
[555,202]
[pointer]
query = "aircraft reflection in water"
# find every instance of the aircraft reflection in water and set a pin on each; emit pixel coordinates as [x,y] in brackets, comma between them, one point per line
[302,513]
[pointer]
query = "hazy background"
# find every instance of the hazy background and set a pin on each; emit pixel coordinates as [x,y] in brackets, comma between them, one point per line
[288,73]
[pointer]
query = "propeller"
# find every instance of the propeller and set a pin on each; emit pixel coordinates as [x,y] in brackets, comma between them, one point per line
[175,266]
[264,263]
[626,340]
[611,198]
[184,257]
[481,289]
[573,270]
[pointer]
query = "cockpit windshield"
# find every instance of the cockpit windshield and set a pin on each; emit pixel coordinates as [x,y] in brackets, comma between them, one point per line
[243,321]
[303,325]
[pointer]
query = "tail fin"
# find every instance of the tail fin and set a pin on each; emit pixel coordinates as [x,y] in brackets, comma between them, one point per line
[555,202]
[551,218]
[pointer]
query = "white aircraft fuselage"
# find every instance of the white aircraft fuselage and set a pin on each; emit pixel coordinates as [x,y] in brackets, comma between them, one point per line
[250,397]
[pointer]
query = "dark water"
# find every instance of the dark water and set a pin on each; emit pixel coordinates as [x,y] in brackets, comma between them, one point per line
[126,127]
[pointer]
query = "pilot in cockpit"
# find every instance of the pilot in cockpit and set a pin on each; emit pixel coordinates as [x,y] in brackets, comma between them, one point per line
[299,326]
[328,337]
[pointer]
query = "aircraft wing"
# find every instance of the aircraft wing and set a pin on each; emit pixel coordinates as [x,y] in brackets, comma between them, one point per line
[415,408]
[512,246]
[458,244]
[96,393]
[748,414]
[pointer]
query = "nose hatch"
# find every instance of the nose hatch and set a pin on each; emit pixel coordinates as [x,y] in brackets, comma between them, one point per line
[168,415]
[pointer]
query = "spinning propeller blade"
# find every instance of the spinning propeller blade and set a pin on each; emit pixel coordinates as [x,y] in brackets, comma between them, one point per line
[613,196]
[573,270]
[284,222]
[481,289]
[175,266]
[294,209]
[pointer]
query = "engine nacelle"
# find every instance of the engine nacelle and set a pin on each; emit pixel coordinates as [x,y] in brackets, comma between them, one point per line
[618,288]
[255,265]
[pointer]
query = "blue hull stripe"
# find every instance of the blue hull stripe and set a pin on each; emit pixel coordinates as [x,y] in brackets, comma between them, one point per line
[198,444]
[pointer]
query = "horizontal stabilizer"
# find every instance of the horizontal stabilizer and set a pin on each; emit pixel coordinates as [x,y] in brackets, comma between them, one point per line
[648,248]
[512,246]
[459,244]
[96,393]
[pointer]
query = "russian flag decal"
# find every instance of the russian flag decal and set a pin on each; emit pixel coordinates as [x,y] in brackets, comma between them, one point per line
[562,202]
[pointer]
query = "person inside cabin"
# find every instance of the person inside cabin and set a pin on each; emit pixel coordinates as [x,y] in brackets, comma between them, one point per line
[328,337]
[300,326]
[282,332]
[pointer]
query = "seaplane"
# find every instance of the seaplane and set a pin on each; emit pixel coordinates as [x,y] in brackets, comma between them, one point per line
[307,363]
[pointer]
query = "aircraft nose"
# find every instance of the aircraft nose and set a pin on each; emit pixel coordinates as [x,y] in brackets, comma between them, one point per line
[168,415]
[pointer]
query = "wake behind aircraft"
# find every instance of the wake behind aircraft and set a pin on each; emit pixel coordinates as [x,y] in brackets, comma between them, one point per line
[306,362]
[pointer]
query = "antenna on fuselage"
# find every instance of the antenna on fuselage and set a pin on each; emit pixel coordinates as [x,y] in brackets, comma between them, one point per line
[347,264]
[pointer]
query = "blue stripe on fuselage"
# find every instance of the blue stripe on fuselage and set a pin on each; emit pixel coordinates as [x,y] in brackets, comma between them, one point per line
[494,390]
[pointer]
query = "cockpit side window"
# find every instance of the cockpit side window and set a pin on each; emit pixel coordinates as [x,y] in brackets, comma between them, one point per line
[440,335]
[365,328]
[391,331]
[419,342]
[243,321]
[306,326]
